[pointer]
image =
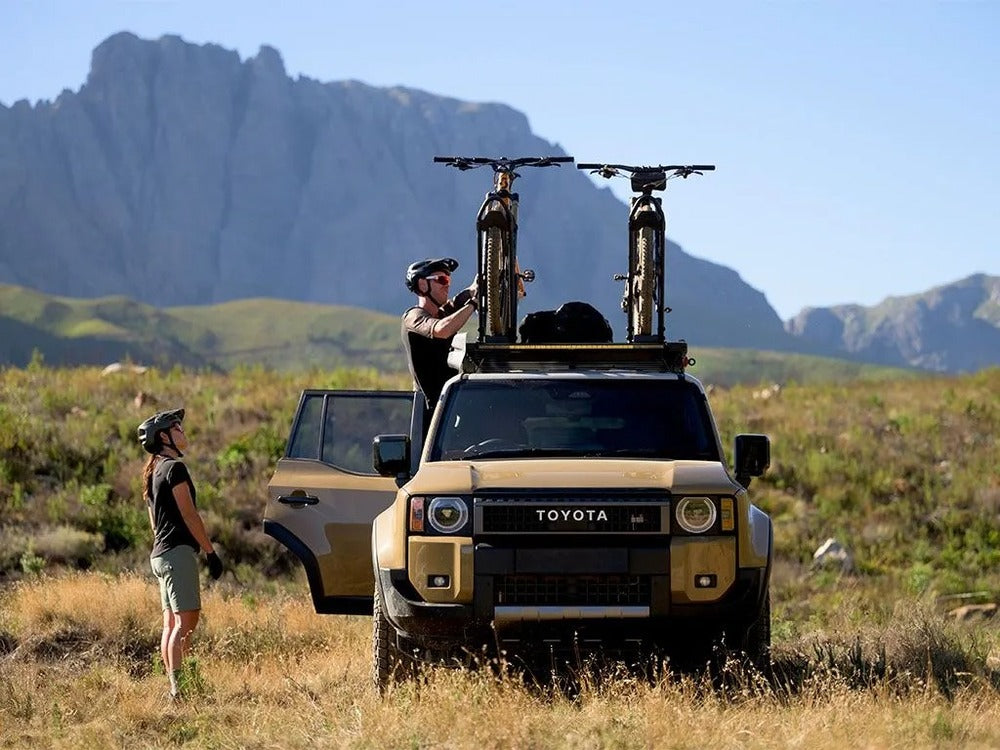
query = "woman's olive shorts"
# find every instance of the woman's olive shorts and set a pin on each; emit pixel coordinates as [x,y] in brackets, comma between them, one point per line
[177,571]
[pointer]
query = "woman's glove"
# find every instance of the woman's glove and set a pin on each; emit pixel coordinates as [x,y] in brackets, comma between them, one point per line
[215,566]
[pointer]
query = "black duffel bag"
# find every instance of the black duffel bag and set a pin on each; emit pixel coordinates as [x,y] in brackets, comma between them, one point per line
[571,323]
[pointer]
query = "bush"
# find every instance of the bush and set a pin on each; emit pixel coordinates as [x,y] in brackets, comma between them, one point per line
[67,545]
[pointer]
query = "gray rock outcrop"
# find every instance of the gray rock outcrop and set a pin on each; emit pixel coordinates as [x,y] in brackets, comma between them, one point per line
[951,328]
[180,174]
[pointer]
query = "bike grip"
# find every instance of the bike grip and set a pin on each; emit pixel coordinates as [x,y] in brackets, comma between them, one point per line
[703,167]
[590,166]
[445,158]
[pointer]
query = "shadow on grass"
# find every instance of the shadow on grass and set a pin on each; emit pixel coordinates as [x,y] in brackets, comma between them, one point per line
[132,651]
[921,656]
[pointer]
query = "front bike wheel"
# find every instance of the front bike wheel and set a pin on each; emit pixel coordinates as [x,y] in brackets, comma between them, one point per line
[498,289]
[643,284]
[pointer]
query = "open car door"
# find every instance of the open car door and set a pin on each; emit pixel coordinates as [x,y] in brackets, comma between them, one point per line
[325,494]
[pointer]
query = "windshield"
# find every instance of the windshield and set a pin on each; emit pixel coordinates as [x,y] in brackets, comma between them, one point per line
[627,418]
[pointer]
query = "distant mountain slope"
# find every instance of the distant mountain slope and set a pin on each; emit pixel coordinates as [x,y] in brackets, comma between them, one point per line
[285,335]
[181,175]
[273,333]
[951,328]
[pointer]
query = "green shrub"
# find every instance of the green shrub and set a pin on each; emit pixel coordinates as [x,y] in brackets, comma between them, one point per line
[65,544]
[122,524]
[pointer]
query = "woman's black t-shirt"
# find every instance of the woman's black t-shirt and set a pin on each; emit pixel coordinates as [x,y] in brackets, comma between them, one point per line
[169,529]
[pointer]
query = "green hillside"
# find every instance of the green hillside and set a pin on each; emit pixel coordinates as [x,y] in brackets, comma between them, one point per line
[727,367]
[295,336]
[284,335]
[275,334]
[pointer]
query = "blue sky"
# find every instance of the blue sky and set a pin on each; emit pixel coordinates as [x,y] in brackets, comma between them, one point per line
[857,143]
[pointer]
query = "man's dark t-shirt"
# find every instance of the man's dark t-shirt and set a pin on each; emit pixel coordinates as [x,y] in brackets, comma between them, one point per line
[427,356]
[169,528]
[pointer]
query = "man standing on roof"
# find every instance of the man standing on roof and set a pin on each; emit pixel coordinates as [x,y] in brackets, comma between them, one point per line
[430,325]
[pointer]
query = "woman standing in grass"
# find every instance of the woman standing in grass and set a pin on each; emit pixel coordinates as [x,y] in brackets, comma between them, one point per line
[178,533]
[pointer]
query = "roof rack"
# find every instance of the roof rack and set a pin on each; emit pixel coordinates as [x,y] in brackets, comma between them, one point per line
[669,356]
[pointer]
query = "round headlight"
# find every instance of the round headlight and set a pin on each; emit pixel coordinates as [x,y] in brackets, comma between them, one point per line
[695,514]
[447,514]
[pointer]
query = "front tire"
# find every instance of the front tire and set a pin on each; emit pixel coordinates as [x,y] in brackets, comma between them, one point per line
[389,664]
[643,281]
[757,643]
[498,291]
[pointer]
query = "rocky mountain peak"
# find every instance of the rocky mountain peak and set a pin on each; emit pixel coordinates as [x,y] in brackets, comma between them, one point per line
[180,174]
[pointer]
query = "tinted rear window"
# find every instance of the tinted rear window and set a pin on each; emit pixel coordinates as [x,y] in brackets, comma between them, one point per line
[338,428]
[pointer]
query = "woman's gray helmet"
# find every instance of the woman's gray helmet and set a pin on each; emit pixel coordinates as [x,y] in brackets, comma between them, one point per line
[149,431]
[428,267]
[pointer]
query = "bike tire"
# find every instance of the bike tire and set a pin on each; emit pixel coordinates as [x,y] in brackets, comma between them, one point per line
[643,283]
[498,291]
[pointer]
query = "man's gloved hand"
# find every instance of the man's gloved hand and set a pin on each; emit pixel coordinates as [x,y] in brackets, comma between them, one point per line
[215,566]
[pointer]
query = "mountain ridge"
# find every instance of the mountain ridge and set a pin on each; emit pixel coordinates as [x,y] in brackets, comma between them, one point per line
[289,335]
[181,174]
[951,327]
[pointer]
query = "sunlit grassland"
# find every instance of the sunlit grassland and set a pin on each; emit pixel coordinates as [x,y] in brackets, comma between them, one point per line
[903,471]
[268,672]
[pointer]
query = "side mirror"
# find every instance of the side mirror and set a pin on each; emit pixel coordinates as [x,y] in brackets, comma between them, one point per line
[391,454]
[752,455]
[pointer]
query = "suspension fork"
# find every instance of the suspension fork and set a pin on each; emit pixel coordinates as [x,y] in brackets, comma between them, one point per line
[504,187]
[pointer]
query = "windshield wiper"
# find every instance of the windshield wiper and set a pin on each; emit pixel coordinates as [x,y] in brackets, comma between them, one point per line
[524,451]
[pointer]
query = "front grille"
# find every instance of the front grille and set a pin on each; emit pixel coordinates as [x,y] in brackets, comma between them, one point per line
[572,590]
[580,515]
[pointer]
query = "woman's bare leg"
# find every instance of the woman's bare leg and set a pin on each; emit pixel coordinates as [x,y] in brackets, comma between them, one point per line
[179,642]
[168,626]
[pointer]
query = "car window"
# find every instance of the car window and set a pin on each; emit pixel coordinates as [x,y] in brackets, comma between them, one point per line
[666,419]
[304,442]
[337,428]
[352,424]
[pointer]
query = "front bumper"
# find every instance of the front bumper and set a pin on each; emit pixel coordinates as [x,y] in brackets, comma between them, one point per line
[517,598]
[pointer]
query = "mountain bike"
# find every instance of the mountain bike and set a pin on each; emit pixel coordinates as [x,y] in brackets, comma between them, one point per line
[501,279]
[647,225]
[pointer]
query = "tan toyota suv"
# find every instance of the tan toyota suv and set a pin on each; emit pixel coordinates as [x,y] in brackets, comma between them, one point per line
[565,496]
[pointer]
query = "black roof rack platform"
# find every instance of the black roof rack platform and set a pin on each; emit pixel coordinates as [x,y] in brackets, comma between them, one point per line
[670,356]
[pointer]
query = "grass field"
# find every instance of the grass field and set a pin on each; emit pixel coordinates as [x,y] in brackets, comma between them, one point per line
[267,672]
[903,471]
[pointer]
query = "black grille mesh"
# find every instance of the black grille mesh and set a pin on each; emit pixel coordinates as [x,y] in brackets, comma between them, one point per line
[602,590]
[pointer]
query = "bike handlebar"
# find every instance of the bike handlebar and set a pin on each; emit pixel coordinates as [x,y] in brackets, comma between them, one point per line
[472,162]
[613,169]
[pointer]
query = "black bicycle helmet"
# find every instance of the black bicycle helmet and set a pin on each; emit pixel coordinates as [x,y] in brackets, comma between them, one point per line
[428,267]
[149,431]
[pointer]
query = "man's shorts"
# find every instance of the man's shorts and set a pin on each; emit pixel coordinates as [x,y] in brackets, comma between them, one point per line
[177,571]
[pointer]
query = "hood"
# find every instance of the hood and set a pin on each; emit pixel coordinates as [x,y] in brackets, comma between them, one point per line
[685,477]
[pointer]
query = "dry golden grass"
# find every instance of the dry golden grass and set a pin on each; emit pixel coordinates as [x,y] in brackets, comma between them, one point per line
[79,672]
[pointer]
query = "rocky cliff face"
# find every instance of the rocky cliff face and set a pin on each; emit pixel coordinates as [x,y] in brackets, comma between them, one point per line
[952,328]
[181,174]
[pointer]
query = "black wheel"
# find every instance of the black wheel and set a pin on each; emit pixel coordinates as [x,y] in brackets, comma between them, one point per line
[643,284]
[389,664]
[757,642]
[498,289]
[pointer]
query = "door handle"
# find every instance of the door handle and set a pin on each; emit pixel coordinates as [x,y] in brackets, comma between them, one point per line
[297,500]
